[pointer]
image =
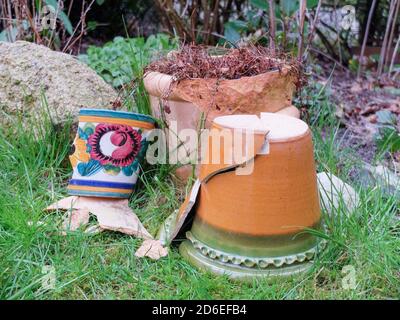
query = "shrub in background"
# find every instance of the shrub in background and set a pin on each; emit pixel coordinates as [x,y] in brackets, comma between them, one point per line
[120,61]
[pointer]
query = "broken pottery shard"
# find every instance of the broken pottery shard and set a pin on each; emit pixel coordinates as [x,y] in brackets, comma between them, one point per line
[121,220]
[167,228]
[173,224]
[65,204]
[76,219]
[333,191]
[112,214]
[253,141]
[152,249]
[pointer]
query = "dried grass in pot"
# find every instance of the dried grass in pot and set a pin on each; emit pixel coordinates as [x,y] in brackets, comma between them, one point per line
[241,81]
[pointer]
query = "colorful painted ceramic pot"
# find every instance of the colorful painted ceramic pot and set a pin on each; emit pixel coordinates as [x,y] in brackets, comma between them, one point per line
[107,152]
[256,224]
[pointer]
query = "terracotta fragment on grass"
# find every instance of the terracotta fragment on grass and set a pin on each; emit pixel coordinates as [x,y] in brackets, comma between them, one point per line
[111,214]
[152,249]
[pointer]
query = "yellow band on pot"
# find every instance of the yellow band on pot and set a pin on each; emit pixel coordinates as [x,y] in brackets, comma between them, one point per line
[99,189]
[132,123]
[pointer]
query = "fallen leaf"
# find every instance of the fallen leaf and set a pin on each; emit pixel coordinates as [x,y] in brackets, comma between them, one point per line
[152,249]
[373,118]
[386,117]
[368,110]
[394,108]
[356,88]
[340,110]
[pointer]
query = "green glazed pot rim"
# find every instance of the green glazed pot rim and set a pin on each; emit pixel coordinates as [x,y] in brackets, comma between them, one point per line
[116,114]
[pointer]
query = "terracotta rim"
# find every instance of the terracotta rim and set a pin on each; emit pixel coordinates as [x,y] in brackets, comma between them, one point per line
[158,84]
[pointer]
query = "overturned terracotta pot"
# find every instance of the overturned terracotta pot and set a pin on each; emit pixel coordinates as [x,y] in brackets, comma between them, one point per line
[255,224]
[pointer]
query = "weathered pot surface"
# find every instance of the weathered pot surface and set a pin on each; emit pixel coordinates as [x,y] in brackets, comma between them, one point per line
[268,92]
[256,224]
[186,101]
[106,153]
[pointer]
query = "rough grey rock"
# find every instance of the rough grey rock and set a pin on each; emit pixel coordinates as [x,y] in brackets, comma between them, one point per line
[383,177]
[29,71]
[334,193]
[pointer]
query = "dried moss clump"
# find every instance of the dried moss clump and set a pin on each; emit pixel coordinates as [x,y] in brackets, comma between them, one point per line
[193,61]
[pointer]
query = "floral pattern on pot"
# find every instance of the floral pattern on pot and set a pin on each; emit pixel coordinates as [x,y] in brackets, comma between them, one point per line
[107,151]
[111,147]
[78,152]
[126,141]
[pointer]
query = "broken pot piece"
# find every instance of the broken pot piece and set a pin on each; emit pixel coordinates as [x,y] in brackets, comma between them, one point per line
[111,214]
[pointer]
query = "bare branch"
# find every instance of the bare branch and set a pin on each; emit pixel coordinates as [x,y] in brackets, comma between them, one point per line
[371,11]
[381,63]
[302,15]
[314,24]
[396,48]
[392,32]
[272,24]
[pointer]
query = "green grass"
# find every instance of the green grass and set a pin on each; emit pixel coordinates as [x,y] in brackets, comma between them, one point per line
[34,171]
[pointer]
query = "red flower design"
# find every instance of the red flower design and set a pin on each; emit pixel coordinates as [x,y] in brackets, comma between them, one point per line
[127,139]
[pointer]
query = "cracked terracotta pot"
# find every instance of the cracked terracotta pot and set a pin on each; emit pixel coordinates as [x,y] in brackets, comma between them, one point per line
[268,92]
[256,224]
[107,151]
[186,101]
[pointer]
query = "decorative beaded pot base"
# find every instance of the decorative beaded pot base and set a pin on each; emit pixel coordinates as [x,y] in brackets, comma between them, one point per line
[240,267]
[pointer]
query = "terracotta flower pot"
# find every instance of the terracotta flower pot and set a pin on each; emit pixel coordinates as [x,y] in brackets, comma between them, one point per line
[268,92]
[255,225]
[184,102]
[107,151]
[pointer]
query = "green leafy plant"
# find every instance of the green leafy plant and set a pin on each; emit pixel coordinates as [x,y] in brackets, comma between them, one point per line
[53,5]
[120,61]
[388,137]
